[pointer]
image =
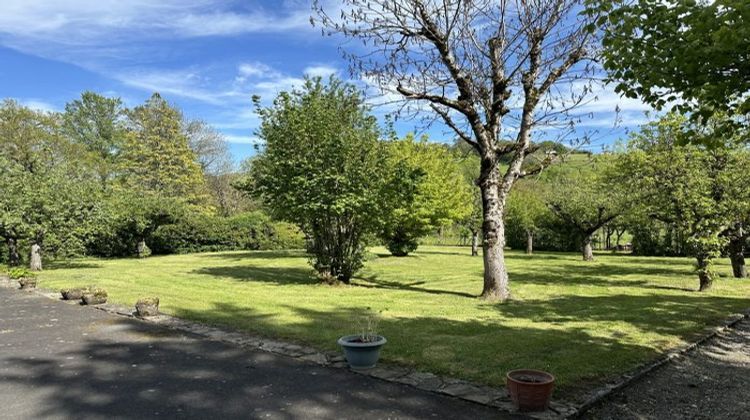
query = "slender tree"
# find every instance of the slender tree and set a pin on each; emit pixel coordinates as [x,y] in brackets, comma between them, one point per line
[489,70]
[527,209]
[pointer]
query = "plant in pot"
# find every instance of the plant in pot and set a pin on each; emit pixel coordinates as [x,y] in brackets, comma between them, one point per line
[94,296]
[26,279]
[147,307]
[362,350]
[530,390]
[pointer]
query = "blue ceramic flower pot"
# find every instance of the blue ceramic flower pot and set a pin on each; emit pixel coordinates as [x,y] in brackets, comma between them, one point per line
[360,354]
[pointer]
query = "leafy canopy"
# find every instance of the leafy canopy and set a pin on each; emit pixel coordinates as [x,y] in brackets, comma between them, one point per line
[323,167]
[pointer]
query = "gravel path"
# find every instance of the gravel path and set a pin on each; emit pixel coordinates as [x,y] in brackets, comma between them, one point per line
[710,382]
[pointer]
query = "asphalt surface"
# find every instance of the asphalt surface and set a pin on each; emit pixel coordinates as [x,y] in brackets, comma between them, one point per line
[62,361]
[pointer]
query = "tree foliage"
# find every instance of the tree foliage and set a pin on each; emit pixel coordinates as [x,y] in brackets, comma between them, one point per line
[96,123]
[323,167]
[156,155]
[429,192]
[700,191]
[478,67]
[693,55]
[585,198]
[527,210]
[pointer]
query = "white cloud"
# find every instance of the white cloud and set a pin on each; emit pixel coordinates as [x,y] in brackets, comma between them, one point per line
[39,105]
[323,71]
[238,139]
[255,69]
[228,23]
[96,22]
[184,83]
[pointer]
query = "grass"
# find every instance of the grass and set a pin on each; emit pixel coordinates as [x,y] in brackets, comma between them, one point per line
[583,322]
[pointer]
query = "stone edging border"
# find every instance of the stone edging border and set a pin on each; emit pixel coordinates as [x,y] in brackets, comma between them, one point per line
[603,393]
[456,388]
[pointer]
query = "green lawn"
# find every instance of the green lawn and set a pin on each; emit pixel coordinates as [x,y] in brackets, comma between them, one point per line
[581,321]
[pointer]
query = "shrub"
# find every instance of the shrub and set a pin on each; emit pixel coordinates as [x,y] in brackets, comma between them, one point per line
[20,273]
[203,233]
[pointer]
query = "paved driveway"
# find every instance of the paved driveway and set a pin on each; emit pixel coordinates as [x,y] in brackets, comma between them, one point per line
[62,361]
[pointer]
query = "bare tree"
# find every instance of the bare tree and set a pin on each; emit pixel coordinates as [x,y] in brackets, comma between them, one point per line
[491,70]
[210,147]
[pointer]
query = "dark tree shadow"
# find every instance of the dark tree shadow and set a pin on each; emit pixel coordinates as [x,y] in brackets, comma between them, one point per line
[70,264]
[254,255]
[680,315]
[278,275]
[473,349]
[373,282]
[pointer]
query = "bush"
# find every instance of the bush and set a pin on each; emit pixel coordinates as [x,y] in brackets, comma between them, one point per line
[202,233]
[20,273]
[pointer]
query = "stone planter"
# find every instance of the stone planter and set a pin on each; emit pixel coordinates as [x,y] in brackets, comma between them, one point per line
[72,294]
[27,283]
[530,390]
[361,354]
[95,298]
[147,307]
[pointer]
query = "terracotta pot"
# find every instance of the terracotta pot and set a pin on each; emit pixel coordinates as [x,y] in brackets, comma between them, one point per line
[530,389]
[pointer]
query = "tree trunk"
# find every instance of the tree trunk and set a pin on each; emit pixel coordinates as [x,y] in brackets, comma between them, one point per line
[737,256]
[474,243]
[36,258]
[608,240]
[529,242]
[588,252]
[704,274]
[14,259]
[141,248]
[496,285]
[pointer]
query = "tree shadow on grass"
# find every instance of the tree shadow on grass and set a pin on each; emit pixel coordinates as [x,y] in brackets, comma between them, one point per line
[603,275]
[254,255]
[278,275]
[478,350]
[70,264]
[373,282]
[681,315]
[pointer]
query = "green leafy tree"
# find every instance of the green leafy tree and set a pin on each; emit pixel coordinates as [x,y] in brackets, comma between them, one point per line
[477,66]
[46,195]
[693,53]
[97,123]
[323,168]
[430,193]
[528,210]
[136,216]
[156,155]
[472,221]
[691,187]
[585,198]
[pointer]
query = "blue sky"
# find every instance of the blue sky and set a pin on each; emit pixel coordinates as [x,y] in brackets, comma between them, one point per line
[206,56]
